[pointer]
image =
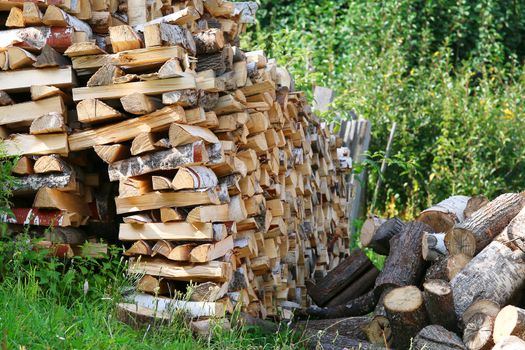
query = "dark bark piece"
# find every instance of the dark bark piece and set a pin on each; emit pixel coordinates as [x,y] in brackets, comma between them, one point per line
[510,343]
[474,204]
[444,215]
[510,321]
[379,240]
[433,246]
[358,307]
[336,280]
[5,99]
[209,41]
[171,159]
[472,235]
[184,98]
[496,273]
[448,267]
[478,332]
[208,100]
[50,58]
[331,342]
[439,303]
[176,35]
[362,285]
[436,337]
[404,265]
[218,62]
[406,313]
[352,327]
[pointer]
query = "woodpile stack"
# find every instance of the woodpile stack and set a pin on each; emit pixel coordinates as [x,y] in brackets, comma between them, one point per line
[227,186]
[453,279]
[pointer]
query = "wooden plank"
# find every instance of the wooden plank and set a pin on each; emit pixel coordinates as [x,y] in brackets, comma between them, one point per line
[173,231]
[22,144]
[127,129]
[157,200]
[215,271]
[22,114]
[22,80]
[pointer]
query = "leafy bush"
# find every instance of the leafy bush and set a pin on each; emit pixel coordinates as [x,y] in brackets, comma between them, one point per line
[448,72]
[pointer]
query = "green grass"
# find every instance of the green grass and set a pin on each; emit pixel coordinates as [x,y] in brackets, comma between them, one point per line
[38,320]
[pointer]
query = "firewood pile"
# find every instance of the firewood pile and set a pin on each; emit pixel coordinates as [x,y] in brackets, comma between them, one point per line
[147,118]
[452,279]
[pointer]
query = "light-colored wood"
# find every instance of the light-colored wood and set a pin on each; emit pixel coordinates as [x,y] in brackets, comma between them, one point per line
[24,166]
[444,215]
[181,134]
[32,14]
[171,215]
[52,122]
[180,17]
[22,114]
[174,231]
[146,87]
[157,200]
[124,38]
[83,49]
[194,177]
[216,271]
[39,92]
[170,305]
[20,58]
[112,153]
[105,75]
[181,252]
[510,321]
[127,129]
[54,199]
[136,12]
[134,186]
[144,142]
[208,252]
[57,17]
[139,248]
[22,80]
[22,144]
[138,103]
[94,111]
[233,211]
[161,183]
[15,18]
[162,247]
[51,163]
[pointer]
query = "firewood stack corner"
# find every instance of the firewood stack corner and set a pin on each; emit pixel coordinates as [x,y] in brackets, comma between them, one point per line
[147,119]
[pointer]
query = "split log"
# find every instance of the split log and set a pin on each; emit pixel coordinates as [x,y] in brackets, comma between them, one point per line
[404,265]
[439,303]
[448,267]
[346,273]
[510,321]
[436,337]
[94,111]
[496,273]
[209,41]
[181,134]
[23,166]
[181,252]
[52,163]
[54,16]
[50,58]
[55,199]
[171,214]
[379,239]
[218,62]
[378,331]
[444,215]
[405,310]
[208,252]
[112,153]
[433,246]
[105,75]
[184,98]
[362,285]
[124,38]
[510,343]
[357,307]
[170,69]
[19,58]
[139,248]
[164,34]
[23,114]
[48,123]
[194,177]
[22,144]
[138,103]
[472,235]
[15,19]
[170,159]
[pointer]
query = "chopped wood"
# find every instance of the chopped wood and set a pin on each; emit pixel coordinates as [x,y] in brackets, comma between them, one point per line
[22,80]
[437,337]
[55,199]
[21,144]
[95,111]
[138,103]
[52,163]
[23,166]
[139,248]
[83,49]
[174,231]
[444,215]
[376,234]
[184,98]
[433,246]
[105,75]
[217,271]
[48,123]
[112,153]
[194,177]
[181,134]
[439,303]
[124,38]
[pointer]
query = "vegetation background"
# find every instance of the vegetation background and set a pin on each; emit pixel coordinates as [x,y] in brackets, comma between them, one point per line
[449,72]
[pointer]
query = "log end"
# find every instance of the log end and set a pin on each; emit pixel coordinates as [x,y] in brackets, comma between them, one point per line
[506,322]
[478,332]
[403,299]
[459,240]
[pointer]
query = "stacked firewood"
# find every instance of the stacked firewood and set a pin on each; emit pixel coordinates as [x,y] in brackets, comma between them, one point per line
[227,188]
[453,279]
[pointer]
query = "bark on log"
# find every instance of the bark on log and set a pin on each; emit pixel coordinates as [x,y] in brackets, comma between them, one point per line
[379,239]
[444,215]
[404,265]
[357,307]
[447,267]
[435,337]
[433,246]
[209,41]
[170,159]
[474,234]
[439,303]
[510,343]
[478,332]
[327,341]
[218,62]
[336,280]
[33,182]
[405,310]
[352,327]
[516,231]
[474,204]
[510,321]
[495,274]
[362,285]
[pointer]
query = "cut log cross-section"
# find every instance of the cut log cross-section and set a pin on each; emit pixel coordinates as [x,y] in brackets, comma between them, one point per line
[379,239]
[444,215]
[472,235]
[510,321]
[405,310]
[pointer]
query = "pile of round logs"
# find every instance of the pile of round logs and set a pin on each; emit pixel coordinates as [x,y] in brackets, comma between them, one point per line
[452,279]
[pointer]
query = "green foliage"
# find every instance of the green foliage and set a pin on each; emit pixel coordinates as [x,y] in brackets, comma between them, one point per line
[448,72]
